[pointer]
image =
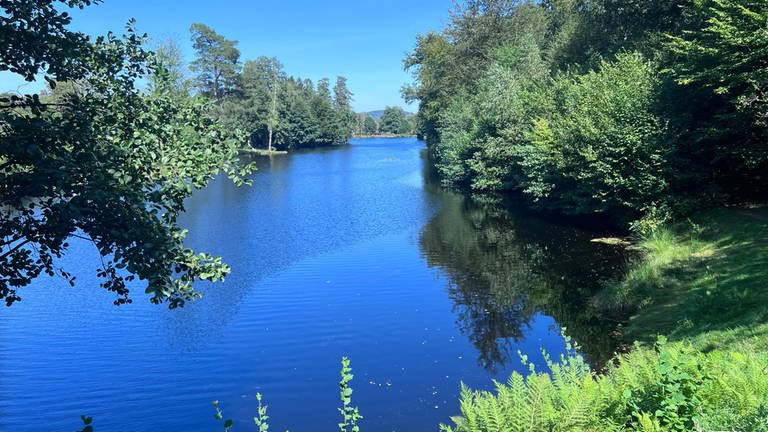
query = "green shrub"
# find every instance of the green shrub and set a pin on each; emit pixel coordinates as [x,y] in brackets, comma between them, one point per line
[479,132]
[602,149]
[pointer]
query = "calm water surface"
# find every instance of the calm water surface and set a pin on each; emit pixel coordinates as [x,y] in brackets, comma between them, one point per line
[345,252]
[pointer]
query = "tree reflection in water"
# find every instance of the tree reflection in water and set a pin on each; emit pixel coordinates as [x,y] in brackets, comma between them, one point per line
[505,267]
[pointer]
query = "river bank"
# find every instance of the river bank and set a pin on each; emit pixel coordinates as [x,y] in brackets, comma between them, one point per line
[384,136]
[703,281]
[262,152]
[695,301]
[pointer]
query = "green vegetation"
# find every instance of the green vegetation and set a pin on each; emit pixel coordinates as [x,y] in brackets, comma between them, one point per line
[395,122]
[645,112]
[390,122]
[369,126]
[217,66]
[640,110]
[99,160]
[704,281]
[701,282]
[669,388]
[274,110]
[96,158]
[349,414]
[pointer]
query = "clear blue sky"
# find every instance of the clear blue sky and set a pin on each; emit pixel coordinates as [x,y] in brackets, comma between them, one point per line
[362,40]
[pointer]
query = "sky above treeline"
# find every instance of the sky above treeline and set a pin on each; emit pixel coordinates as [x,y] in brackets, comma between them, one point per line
[364,41]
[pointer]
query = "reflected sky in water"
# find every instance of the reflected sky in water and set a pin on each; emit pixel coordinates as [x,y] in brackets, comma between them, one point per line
[342,252]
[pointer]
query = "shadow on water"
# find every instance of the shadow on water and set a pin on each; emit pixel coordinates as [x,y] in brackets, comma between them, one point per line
[505,266]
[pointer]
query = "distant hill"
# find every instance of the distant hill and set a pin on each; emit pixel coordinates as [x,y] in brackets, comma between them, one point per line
[378,113]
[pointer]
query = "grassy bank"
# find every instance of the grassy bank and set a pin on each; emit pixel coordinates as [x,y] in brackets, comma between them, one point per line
[702,281]
[704,284]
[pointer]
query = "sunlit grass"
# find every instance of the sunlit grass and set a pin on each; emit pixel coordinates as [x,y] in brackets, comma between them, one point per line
[704,281]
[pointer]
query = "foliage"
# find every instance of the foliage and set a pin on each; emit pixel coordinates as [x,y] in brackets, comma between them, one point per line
[394,121]
[227,424]
[30,30]
[217,65]
[103,162]
[727,57]
[172,77]
[342,107]
[370,126]
[603,147]
[605,27]
[563,101]
[87,424]
[261,420]
[274,110]
[671,388]
[701,281]
[350,415]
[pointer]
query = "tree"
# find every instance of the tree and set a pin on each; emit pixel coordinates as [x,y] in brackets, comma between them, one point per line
[360,123]
[393,121]
[31,30]
[602,147]
[323,113]
[261,81]
[369,126]
[297,126]
[345,117]
[172,77]
[431,63]
[726,57]
[107,163]
[217,64]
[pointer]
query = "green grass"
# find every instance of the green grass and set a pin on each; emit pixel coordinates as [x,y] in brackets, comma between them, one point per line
[704,281]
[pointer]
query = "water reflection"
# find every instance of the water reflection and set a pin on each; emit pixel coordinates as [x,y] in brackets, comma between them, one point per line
[505,267]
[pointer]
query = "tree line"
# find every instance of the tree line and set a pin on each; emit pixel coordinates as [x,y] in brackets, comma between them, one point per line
[640,109]
[276,111]
[393,121]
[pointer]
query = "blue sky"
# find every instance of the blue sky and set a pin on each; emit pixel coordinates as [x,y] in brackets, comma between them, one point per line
[362,40]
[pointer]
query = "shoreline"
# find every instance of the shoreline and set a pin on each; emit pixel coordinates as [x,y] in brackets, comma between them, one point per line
[261,152]
[382,136]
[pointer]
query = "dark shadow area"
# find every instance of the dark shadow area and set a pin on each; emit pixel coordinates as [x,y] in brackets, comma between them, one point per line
[505,267]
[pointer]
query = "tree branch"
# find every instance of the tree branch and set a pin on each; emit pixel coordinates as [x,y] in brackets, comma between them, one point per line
[14,249]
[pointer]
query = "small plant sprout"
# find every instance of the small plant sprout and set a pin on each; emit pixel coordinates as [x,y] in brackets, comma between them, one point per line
[349,414]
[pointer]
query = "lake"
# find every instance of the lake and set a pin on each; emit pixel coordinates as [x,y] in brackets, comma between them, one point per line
[351,251]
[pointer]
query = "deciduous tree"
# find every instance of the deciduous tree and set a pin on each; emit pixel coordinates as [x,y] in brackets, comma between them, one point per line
[108,164]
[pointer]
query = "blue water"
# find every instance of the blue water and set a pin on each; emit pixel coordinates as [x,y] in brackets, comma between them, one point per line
[343,252]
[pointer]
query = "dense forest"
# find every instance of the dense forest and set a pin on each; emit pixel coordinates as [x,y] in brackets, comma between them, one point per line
[641,110]
[258,97]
